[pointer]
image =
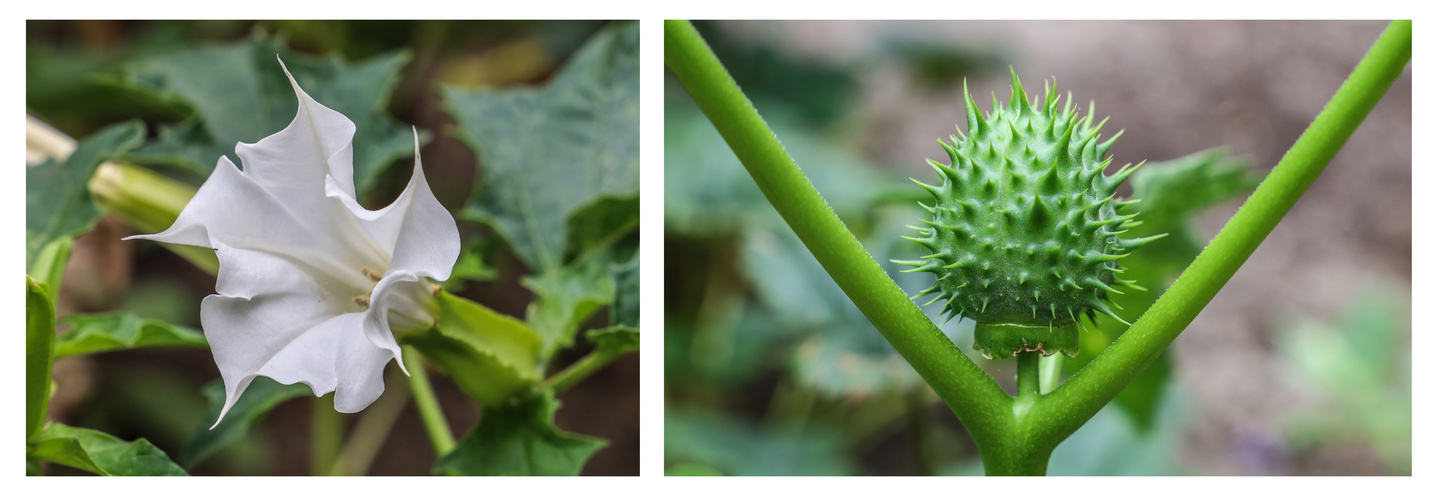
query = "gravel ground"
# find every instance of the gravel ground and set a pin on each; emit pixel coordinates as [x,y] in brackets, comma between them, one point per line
[1176,88]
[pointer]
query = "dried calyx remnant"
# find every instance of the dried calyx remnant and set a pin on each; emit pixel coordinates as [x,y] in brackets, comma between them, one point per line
[1025,232]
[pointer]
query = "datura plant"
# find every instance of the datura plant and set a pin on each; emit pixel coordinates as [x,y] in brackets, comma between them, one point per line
[1025,231]
[312,287]
[1025,236]
[314,293]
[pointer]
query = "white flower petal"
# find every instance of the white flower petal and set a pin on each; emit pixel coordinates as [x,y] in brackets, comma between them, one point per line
[333,357]
[233,209]
[416,229]
[294,162]
[394,295]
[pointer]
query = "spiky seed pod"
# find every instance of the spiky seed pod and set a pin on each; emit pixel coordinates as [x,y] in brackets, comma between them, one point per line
[1024,236]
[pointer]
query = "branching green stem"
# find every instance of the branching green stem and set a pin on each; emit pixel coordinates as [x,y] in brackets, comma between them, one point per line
[1086,392]
[428,405]
[975,397]
[1016,435]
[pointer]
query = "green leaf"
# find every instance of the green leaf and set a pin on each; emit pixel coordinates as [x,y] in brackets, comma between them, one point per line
[520,439]
[737,448]
[39,353]
[100,453]
[239,93]
[92,333]
[551,155]
[566,296]
[707,192]
[843,354]
[262,395]
[616,339]
[626,293]
[602,222]
[57,202]
[491,356]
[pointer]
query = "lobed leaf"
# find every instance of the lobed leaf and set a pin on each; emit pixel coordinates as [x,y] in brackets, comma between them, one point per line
[560,163]
[238,93]
[520,439]
[566,296]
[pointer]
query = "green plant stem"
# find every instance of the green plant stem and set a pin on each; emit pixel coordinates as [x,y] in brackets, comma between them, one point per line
[1087,391]
[373,428]
[580,370]
[1050,369]
[428,405]
[326,432]
[973,396]
[1028,374]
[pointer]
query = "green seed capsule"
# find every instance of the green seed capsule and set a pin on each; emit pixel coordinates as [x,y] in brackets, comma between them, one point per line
[1024,236]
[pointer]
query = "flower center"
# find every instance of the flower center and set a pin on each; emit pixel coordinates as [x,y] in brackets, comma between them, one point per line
[374,277]
[409,303]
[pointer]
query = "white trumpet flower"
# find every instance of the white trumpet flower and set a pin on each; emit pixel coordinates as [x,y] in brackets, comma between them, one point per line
[311,285]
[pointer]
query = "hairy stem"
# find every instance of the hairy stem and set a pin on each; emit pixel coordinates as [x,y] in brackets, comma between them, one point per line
[428,405]
[973,396]
[1077,400]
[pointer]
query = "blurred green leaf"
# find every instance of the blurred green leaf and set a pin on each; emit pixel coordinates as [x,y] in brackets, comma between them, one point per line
[39,353]
[491,356]
[616,339]
[100,453]
[1171,194]
[820,93]
[737,449]
[262,395]
[239,93]
[941,64]
[1357,375]
[57,201]
[707,192]
[561,157]
[520,439]
[92,333]
[843,354]
[688,469]
[1110,444]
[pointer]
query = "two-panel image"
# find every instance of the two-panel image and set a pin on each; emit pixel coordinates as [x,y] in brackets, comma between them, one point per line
[896,248]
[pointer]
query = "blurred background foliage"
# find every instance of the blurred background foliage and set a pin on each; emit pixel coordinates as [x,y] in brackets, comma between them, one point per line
[193,83]
[770,370]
